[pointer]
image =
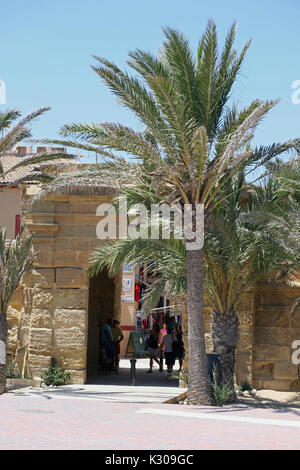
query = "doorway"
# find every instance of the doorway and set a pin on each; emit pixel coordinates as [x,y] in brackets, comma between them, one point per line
[101,307]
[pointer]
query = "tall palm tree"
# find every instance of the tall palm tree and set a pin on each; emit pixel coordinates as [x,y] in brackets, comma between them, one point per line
[190,144]
[15,259]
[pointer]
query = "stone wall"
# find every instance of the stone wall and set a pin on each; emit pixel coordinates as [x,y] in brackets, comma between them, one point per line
[49,314]
[263,353]
[264,349]
[273,338]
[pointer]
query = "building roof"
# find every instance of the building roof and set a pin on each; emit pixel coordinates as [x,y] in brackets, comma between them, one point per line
[9,161]
[86,189]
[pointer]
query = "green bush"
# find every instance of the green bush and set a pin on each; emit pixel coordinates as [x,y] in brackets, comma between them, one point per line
[54,375]
[245,387]
[183,375]
[222,392]
[10,369]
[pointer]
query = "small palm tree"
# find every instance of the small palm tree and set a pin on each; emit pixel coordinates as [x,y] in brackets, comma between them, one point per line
[191,143]
[15,259]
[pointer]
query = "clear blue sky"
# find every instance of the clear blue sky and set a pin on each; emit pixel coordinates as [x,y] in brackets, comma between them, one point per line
[46,49]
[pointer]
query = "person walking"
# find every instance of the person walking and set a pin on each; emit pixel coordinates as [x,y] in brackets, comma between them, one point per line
[153,347]
[117,337]
[167,343]
[171,323]
[107,346]
[178,347]
[163,332]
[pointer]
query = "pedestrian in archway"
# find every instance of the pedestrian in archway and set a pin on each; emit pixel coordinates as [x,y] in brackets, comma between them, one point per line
[107,346]
[167,343]
[118,337]
[178,346]
[163,332]
[153,347]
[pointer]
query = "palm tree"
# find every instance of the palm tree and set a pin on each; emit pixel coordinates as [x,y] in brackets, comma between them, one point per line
[190,144]
[240,252]
[282,220]
[15,259]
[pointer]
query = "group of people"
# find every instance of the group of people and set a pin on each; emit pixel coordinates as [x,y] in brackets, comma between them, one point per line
[111,337]
[162,343]
[165,342]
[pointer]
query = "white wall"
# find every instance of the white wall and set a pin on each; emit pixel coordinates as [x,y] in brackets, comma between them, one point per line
[10,206]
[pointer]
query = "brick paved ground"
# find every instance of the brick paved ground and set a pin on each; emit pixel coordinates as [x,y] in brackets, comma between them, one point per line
[110,414]
[43,422]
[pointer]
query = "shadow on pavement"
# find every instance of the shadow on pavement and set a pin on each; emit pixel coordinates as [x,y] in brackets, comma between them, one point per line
[143,379]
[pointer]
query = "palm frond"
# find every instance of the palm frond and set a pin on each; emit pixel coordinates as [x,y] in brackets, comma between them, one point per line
[15,259]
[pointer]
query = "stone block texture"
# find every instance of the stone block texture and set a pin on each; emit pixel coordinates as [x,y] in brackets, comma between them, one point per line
[48,315]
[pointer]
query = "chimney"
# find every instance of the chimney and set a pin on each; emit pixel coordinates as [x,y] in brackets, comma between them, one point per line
[59,150]
[43,149]
[24,150]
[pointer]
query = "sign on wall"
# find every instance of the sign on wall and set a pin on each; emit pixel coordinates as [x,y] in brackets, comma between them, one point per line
[126,285]
[127,268]
[127,298]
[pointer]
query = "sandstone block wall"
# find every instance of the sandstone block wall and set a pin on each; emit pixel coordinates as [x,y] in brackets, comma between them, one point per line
[49,313]
[264,352]
[273,338]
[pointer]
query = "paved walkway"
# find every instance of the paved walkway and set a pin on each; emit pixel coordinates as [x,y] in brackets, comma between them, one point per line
[150,388]
[110,414]
[47,422]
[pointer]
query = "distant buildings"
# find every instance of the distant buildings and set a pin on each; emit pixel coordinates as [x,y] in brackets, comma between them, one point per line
[10,199]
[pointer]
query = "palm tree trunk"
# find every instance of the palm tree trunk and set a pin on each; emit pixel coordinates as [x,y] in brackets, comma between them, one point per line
[225,335]
[198,387]
[3,340]
[185,338]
